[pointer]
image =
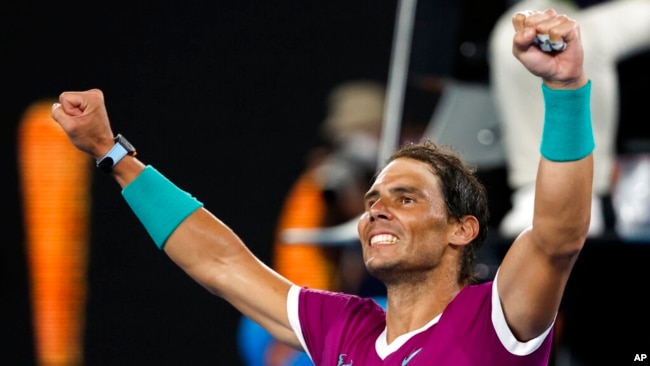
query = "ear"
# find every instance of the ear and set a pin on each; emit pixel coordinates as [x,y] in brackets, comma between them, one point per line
[466,230]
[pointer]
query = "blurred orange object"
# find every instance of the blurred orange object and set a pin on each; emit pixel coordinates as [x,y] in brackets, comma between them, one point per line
[305,264]
[55,186]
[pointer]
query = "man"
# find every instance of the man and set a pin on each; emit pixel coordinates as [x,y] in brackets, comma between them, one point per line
[425,217]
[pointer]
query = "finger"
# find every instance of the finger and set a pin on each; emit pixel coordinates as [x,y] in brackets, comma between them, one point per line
[551,31]
[72,103]
[555,27]
[519,19]
[559,36]
[530,18]
[564,31]
[524,33]
[56,111]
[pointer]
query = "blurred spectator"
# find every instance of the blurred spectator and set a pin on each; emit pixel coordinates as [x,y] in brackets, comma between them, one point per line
[327,193]
[611,31]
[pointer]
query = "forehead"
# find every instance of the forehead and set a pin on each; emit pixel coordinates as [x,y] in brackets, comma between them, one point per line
[407,171]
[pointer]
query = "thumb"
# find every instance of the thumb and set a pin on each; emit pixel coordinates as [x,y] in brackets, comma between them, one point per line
[57,112]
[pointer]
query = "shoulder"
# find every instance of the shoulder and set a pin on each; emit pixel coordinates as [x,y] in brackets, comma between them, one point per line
[331,301]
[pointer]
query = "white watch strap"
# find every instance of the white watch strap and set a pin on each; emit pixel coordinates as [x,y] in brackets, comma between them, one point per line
[116,153]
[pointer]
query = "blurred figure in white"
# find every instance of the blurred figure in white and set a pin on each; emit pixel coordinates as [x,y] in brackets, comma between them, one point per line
[611,31]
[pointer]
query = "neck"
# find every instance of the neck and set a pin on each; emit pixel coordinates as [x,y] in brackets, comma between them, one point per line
[411,306]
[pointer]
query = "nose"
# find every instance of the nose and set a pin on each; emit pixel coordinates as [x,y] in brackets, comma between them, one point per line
[379,210]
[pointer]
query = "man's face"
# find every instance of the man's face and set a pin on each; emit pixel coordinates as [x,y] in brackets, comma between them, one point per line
[405,225]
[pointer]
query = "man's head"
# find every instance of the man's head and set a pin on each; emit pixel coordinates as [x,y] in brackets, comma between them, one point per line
[425,208]
[354,107]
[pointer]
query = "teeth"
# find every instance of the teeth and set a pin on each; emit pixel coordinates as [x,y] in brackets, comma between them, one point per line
[383,239]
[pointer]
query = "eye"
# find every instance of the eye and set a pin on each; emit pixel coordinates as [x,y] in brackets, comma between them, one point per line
[369,203]
[406,200]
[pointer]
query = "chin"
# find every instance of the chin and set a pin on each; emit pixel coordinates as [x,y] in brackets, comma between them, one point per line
[382,272]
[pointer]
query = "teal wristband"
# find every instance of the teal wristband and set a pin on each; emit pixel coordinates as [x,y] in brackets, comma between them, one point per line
[568,134]
[159,204]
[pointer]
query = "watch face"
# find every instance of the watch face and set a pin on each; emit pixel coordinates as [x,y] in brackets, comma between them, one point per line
[124,142]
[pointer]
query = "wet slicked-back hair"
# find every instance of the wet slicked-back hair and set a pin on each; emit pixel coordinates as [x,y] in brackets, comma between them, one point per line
[463,193]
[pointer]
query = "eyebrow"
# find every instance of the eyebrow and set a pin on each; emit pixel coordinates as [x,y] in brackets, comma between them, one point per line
[394,190]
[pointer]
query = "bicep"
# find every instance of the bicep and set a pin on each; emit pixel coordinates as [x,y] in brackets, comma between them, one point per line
[531,286]
[209,252]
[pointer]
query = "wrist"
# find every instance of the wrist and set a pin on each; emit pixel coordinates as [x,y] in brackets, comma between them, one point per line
[127,170]
[571,84]
[567,133]
[159,204]
[121,148]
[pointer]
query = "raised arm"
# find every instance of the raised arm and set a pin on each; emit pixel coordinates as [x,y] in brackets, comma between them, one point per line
[534,272]
[203,246]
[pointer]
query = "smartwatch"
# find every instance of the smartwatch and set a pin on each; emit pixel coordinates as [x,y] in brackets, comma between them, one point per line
[121,149]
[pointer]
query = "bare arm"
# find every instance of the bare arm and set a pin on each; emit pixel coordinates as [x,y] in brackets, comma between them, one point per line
[536,268]
[203,246]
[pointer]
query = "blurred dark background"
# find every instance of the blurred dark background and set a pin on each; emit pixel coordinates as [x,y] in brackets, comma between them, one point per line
[225,98]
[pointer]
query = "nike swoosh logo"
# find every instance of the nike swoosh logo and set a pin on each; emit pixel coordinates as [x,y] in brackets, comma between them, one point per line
[410,357]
